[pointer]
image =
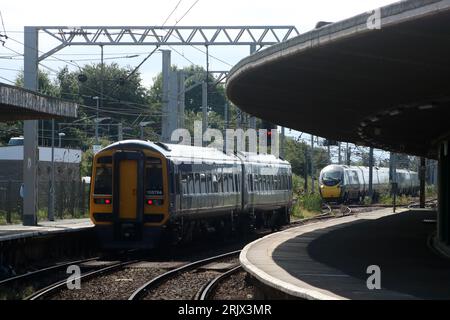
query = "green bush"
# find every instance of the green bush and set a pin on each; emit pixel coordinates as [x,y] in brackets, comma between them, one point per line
[312,202]
[402,200]
[431,191]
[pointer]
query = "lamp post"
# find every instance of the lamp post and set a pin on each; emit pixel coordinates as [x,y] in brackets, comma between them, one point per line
[61,134]
[96,120]
[142,125]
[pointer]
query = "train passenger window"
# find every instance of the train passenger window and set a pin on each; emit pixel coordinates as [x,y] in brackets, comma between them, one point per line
[250,182]
[103,181]
[220,182]
[215,184]
[154,181]
[184,184]
[190,178]
[209,183]
[236,185]
[225,183]
[203,183]
[231,184]
[354,178]
[197,183]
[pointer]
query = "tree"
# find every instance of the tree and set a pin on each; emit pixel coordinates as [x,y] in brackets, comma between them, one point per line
[295,152]
[124,101]
[195,75]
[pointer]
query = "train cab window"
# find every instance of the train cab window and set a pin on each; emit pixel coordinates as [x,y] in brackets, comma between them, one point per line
[103,181]
[104,160]
[154,181]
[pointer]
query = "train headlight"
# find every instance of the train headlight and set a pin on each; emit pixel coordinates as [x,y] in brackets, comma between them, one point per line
[152,202]
[103,201]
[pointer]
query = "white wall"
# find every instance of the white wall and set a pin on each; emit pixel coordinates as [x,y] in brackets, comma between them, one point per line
[45,154]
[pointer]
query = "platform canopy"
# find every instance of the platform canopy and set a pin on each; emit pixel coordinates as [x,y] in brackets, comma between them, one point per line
[388,88]
[20,104]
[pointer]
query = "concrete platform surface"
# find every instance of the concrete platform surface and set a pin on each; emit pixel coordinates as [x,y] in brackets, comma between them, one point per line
[329,260]
[13,232]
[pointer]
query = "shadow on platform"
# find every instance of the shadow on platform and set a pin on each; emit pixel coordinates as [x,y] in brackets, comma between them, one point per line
[336,259]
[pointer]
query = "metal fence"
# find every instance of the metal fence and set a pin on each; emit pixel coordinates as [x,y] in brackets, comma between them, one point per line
[71,200]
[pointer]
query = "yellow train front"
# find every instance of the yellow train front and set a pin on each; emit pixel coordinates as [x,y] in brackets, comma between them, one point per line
[129,202]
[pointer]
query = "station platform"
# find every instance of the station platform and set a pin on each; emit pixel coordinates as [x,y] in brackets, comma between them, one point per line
[18,231]
[329,260]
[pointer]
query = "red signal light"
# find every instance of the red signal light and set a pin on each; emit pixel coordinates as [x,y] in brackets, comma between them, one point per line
[150,202]
[107,201]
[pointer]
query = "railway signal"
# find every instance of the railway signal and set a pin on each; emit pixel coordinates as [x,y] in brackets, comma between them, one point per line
[268,126]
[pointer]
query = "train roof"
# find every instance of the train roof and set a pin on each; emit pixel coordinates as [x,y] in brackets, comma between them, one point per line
[179,151]
[174,150]
[367,168]
[261,158]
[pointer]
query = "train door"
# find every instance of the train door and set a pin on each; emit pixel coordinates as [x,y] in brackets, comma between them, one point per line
[128,196]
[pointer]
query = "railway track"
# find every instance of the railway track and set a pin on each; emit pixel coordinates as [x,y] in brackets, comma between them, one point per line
[44,290]
[14,286]
[56,287]
[204,291]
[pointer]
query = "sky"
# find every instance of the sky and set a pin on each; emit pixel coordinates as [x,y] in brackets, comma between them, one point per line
[19,13]
[302,14]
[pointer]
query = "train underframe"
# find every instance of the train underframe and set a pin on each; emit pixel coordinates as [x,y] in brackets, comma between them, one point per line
[226,226]
[186,229]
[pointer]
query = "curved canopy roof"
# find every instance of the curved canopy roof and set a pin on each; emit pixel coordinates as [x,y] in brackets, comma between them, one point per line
[388,88]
